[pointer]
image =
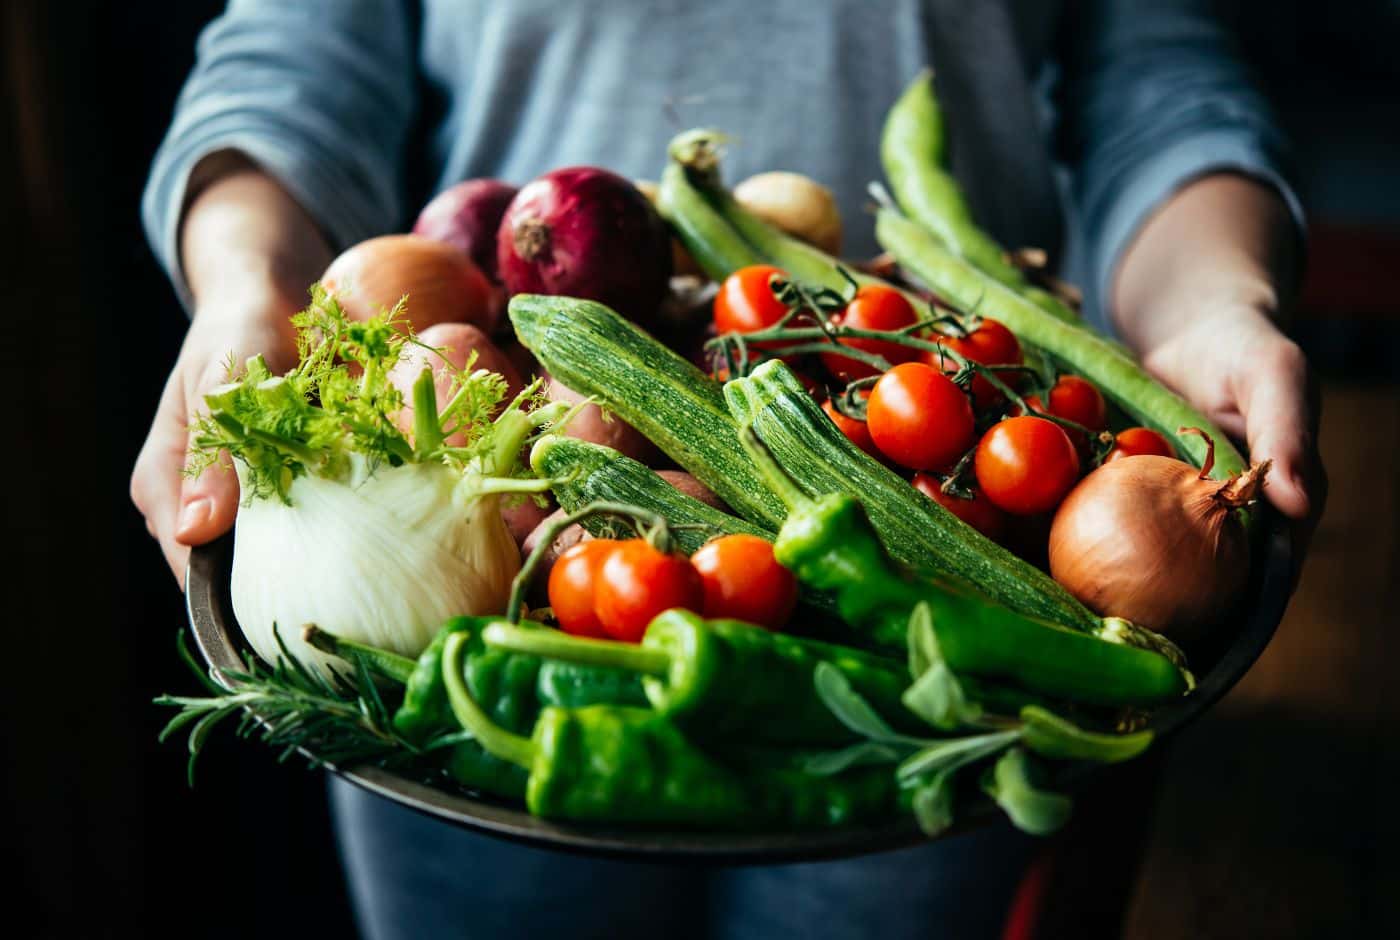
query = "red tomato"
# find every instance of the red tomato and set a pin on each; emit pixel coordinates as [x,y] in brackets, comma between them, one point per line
[874,307]
[572,583]
[1026,465]
[1134,441]
[636,582]
[977,512]
[745,302]
[991,344]
[744,581]
[857,431]
[1077,400]
[918,418]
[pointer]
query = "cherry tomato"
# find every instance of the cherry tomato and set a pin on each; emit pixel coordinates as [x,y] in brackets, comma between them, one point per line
[1077,400]
[744,581]
[874,307]
[1134,441]
[858,432]
[977,512]
[572,583]
[918,418]
[636,582]
[745,302]
[991,344]
[1026,465]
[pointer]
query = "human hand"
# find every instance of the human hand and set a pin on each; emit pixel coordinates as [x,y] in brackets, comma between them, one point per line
[181,511]
[1233,363]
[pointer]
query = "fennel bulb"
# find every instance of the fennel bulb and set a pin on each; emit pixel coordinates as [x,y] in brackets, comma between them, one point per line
[346,521]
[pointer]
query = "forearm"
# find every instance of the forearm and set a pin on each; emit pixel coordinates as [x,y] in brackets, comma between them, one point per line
[246,244]
[1222,242]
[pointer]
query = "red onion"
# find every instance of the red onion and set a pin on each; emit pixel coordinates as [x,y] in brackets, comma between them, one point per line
[585,232]
[467,217]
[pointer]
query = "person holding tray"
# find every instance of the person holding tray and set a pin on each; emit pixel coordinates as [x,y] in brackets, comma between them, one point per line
[303,128]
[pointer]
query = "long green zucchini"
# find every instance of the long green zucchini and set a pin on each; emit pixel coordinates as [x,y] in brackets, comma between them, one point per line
[590,472]
[677,407]
[1115,373]
[916,530]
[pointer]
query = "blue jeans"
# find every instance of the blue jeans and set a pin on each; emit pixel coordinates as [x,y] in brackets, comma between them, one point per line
[412,876]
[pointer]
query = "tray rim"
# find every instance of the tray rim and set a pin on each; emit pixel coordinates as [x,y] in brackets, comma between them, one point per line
[214,628]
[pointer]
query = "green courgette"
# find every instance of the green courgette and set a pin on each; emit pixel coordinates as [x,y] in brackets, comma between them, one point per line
[915,530]
[677,407]
[590,472]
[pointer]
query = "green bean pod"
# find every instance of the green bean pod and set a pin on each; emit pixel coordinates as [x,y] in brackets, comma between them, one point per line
[714,245]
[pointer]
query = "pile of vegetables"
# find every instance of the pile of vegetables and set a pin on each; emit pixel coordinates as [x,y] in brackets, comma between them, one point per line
[933,541]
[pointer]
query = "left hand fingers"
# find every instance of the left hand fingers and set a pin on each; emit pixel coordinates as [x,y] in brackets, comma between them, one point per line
[1279,402]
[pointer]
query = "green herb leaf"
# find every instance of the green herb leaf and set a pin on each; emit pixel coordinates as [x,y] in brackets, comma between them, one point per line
[1033,810]
[829,763]
[952,753]
[933,802]
[1049,735]
[852,710]
[936,695]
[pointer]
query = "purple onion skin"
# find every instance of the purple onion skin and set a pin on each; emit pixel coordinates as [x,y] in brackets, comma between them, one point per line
[467,217]
[586,232]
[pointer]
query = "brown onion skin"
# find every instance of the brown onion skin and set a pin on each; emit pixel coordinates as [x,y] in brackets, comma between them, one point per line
[457,341]
[1144,538]
[467,217]
[441,283]
[586,232]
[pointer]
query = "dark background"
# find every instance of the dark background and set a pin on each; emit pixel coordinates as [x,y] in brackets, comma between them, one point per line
[108,837]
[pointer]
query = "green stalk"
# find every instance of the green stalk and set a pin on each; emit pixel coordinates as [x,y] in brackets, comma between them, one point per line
[497,741]
[586,651]
[427,429]
[388,664]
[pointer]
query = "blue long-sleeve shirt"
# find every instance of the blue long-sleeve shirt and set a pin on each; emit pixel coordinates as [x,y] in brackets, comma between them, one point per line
[341,100]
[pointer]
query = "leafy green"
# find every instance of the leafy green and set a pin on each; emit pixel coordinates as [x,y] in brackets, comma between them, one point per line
[933,802]
[339,401]
[1049,735]
[852,710]
[1031,809]
[936,695]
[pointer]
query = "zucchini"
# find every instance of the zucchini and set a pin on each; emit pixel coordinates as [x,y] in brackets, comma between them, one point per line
[590,472]
[915,530]
[677,407]
[1098,359]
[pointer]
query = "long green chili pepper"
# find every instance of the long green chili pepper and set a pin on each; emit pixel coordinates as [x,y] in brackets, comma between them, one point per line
[913,149]
[830,544]
[723,677]
[607,763]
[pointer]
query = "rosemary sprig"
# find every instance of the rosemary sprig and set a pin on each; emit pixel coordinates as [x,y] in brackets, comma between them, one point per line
[337,720]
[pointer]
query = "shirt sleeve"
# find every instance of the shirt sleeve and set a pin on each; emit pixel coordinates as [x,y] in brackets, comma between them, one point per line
[320,94]
[1152,97]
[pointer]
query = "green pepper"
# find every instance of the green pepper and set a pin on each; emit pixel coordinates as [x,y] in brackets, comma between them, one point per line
[725,677]
[830,545]
[613,763]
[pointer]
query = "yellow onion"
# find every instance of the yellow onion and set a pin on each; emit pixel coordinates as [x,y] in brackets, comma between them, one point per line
[797,204]
[441,283]
[1155,541]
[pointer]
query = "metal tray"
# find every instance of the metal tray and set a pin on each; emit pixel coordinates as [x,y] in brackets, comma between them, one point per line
[220,641]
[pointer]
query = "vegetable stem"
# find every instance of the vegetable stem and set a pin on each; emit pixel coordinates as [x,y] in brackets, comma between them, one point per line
[497,741]
[777,478]
[552,644]
[427,429]
[388,664]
